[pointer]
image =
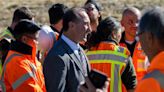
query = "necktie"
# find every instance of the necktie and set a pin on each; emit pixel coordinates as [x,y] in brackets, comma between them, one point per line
[83,62]
[80,55]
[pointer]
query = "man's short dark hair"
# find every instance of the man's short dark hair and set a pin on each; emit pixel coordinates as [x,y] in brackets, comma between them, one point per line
[153,21]
[56,12]
[71,15]
[22,13]
[25,27]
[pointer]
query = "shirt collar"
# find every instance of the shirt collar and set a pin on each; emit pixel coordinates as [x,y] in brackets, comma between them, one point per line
[21,47]
[157,62]
[70,43]
[123,38]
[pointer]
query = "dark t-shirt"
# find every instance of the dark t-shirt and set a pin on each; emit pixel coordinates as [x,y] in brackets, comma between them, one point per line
[130,47]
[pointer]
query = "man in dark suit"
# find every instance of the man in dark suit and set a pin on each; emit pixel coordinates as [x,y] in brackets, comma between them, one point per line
[64,68]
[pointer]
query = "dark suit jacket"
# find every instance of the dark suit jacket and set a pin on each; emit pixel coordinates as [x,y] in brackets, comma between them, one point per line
[62,69]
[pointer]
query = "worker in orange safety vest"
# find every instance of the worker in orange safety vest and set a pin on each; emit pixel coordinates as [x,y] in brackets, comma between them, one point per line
[129,21]
[21,71]
[151,36]
[105,55]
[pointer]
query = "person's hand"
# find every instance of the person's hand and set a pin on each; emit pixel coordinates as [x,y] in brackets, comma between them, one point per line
[90,87]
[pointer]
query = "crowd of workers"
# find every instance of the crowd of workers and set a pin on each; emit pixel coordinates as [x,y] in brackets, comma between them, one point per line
[59,57]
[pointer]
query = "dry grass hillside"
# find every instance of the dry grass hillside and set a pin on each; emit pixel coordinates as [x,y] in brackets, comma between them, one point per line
[40,7]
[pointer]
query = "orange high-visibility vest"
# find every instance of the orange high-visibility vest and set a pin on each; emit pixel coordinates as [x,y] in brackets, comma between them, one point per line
[155,79]
[158,76]
[110,59]
[139,61]
[22,73]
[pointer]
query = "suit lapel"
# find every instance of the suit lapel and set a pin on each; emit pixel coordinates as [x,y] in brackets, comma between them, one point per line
[72,55]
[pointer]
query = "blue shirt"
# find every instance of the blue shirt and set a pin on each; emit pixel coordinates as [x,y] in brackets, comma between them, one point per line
[75,47]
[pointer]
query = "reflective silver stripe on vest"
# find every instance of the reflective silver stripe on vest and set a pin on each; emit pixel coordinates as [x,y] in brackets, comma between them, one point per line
[116,79]
[157,75]
[22,79]
[121,50]
[106,57]
[4,69]
[34,69]
[5,63]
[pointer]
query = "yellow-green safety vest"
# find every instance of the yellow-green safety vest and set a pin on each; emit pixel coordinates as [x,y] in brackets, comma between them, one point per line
[116,58]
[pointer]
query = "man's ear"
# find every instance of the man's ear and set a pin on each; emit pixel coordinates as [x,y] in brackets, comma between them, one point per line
[24,39]
[71,24]
[113,35]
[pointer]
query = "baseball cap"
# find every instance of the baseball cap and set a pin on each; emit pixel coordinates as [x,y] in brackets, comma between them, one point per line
[26,27]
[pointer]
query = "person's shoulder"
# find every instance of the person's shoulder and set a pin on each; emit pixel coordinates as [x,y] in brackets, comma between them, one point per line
[58,52]
[58,48]
[47,32]
[125,50]
[5,32]
[105,45]
[16,60]
[46,28]
[145,85]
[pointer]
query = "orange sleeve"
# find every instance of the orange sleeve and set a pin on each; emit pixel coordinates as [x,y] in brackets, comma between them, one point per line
[16,70]
[148,85]
[57,35]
